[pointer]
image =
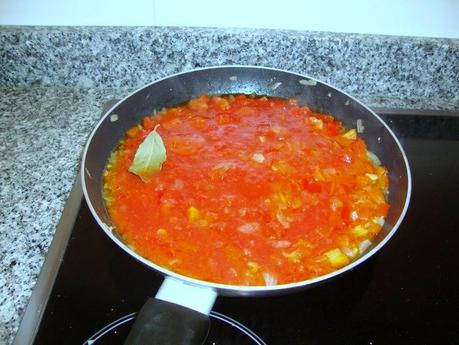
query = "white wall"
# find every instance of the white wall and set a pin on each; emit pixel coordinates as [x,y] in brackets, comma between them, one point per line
[431,18]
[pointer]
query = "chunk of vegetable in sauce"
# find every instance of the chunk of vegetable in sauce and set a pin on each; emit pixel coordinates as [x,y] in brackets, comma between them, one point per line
[254,191]
[149,157]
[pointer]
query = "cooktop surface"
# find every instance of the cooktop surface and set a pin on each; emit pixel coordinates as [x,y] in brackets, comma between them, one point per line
[408,293]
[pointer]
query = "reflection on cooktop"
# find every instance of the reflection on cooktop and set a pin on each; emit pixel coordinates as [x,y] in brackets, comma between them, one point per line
[223,331]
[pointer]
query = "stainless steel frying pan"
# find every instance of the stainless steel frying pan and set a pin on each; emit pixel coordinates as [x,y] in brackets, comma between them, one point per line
[178,313]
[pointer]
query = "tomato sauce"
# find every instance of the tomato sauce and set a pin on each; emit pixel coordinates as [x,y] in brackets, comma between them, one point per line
[254,191]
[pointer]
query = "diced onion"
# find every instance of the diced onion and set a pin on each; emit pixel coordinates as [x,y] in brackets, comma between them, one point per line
[347,159]
[379,221]
[360,126]
[173,262]
[249,228]
[283,220]
[281,244]
[336,204]
[269,279]
[372,177]
[372,157]
[232,271]
[276,85]
[316,123]
[354,215]
[364,245]
[224,166]
[307,82]
[351,253]
[277,129]
[258,157]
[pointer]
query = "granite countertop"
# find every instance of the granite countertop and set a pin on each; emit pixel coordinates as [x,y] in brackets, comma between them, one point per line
[55,81]
[42,134]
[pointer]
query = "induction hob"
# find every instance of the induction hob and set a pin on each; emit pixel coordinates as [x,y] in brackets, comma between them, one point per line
[408,293]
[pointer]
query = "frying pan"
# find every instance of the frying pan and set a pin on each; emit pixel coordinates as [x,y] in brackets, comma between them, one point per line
[179,312]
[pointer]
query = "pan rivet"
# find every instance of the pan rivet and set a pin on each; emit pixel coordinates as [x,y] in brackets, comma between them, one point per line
[113,117]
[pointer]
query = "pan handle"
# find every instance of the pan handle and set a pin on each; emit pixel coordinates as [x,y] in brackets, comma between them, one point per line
[178,314]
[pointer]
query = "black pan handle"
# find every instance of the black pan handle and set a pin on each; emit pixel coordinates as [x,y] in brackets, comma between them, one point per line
[164,323]
[179,314]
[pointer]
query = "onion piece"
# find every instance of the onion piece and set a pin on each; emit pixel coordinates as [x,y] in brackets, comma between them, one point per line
[283,220]
[249,228]
[372,177]
[372,157]
[316,123]
[364,245]
[307,82]
[347,159]
[351,253]
[379,221]
[270,279]
[258,157]
[224,166]
[360,126]
[281,244]
[354,215]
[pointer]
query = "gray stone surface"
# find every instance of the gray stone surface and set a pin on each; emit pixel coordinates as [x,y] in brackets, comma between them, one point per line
[418,70]
[42,133]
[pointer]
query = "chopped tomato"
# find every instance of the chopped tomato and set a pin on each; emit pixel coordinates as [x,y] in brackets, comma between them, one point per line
[148,123]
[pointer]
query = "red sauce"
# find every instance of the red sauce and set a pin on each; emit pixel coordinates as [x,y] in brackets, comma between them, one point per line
[254,191]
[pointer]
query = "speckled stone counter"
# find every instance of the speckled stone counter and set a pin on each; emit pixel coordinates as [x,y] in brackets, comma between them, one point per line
[55,81]
[419,70]
[42,133]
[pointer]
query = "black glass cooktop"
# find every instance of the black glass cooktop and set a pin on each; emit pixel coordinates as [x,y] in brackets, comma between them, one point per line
[408,293]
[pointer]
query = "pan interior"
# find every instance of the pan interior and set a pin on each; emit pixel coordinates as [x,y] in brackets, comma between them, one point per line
[179,88]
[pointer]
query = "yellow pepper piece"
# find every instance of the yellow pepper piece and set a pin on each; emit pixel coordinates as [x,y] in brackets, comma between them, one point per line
[193,214]
[253,266]
[360,231]
[337,258]
[350,134]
